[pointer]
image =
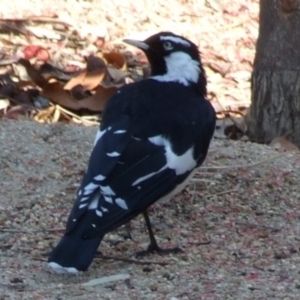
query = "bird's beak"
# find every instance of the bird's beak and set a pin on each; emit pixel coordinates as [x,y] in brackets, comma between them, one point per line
[139,44]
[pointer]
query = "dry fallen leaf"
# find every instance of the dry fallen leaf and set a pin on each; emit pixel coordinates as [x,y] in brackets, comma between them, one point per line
[283,143]
[92,77]
[8,90]
[240,123]
[115,59]
[34,75]
[38,52]
[116,76]
[19,110]
[98,101]
[4,104]
[49,71]
[55,92]
[44,114]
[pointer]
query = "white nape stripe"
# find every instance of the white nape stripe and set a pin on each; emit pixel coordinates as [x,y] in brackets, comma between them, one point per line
[94,225]
[113,154]
[106,190]
[143,178]
[99,177]
[180,68]
[99,135]
[180,163]
[175,39]
[120,202]
[119,131]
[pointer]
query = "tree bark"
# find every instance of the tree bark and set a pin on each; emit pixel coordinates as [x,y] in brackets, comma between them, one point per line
[275,82]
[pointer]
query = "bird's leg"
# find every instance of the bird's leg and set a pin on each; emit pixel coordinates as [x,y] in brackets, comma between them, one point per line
[153,244]
[153,247]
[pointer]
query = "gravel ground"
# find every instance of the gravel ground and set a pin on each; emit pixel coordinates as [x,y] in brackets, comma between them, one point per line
[237,222]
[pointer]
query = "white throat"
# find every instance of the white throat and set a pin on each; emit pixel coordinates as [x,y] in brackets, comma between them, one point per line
[180,68]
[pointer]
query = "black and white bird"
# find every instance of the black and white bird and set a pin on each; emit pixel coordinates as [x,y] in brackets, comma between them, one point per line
[154,134]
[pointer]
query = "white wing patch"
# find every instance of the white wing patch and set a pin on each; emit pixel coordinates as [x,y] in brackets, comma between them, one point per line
[121,203]
[88,189]
[135,138]
[84,199]
[180,68]
[175,39]
[82,205]
[106,190]
[94,203]
[99,135]
[182,163]
[108,199]
[99,213]
[119,131]
[99,177]
[157,140]
[104,209]
[143,178]
[179,163]
[113,154]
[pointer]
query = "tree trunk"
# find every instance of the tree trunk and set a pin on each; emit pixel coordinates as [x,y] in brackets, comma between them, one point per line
[275,83]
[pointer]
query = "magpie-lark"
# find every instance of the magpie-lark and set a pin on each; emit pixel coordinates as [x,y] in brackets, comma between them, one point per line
[154,134]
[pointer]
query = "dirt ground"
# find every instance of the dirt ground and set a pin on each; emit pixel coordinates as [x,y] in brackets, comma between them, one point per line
[237,221]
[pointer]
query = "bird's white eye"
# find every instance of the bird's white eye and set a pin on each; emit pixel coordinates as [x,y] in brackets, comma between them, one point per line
[168,46]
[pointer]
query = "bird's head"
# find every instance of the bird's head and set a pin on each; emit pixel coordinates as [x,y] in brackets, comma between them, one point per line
[173,58]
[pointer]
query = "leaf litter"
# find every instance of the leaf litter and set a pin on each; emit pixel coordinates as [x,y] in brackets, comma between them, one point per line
[56,39]
[237,221]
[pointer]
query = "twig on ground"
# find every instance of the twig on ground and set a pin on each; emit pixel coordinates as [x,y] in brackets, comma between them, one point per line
[207,242]
[201,180]
[252,225]
[226,111]
[85,119]
[17,285]
[31,231]
[245,166]
[130,260]
[221,193]
[38,19]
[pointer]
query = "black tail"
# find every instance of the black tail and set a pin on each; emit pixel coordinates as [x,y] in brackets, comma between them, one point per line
[74,253]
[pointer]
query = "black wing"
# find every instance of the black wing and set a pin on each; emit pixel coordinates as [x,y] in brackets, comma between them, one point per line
[137,161]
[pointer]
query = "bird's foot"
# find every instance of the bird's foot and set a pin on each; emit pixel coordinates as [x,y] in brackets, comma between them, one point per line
[154,248]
